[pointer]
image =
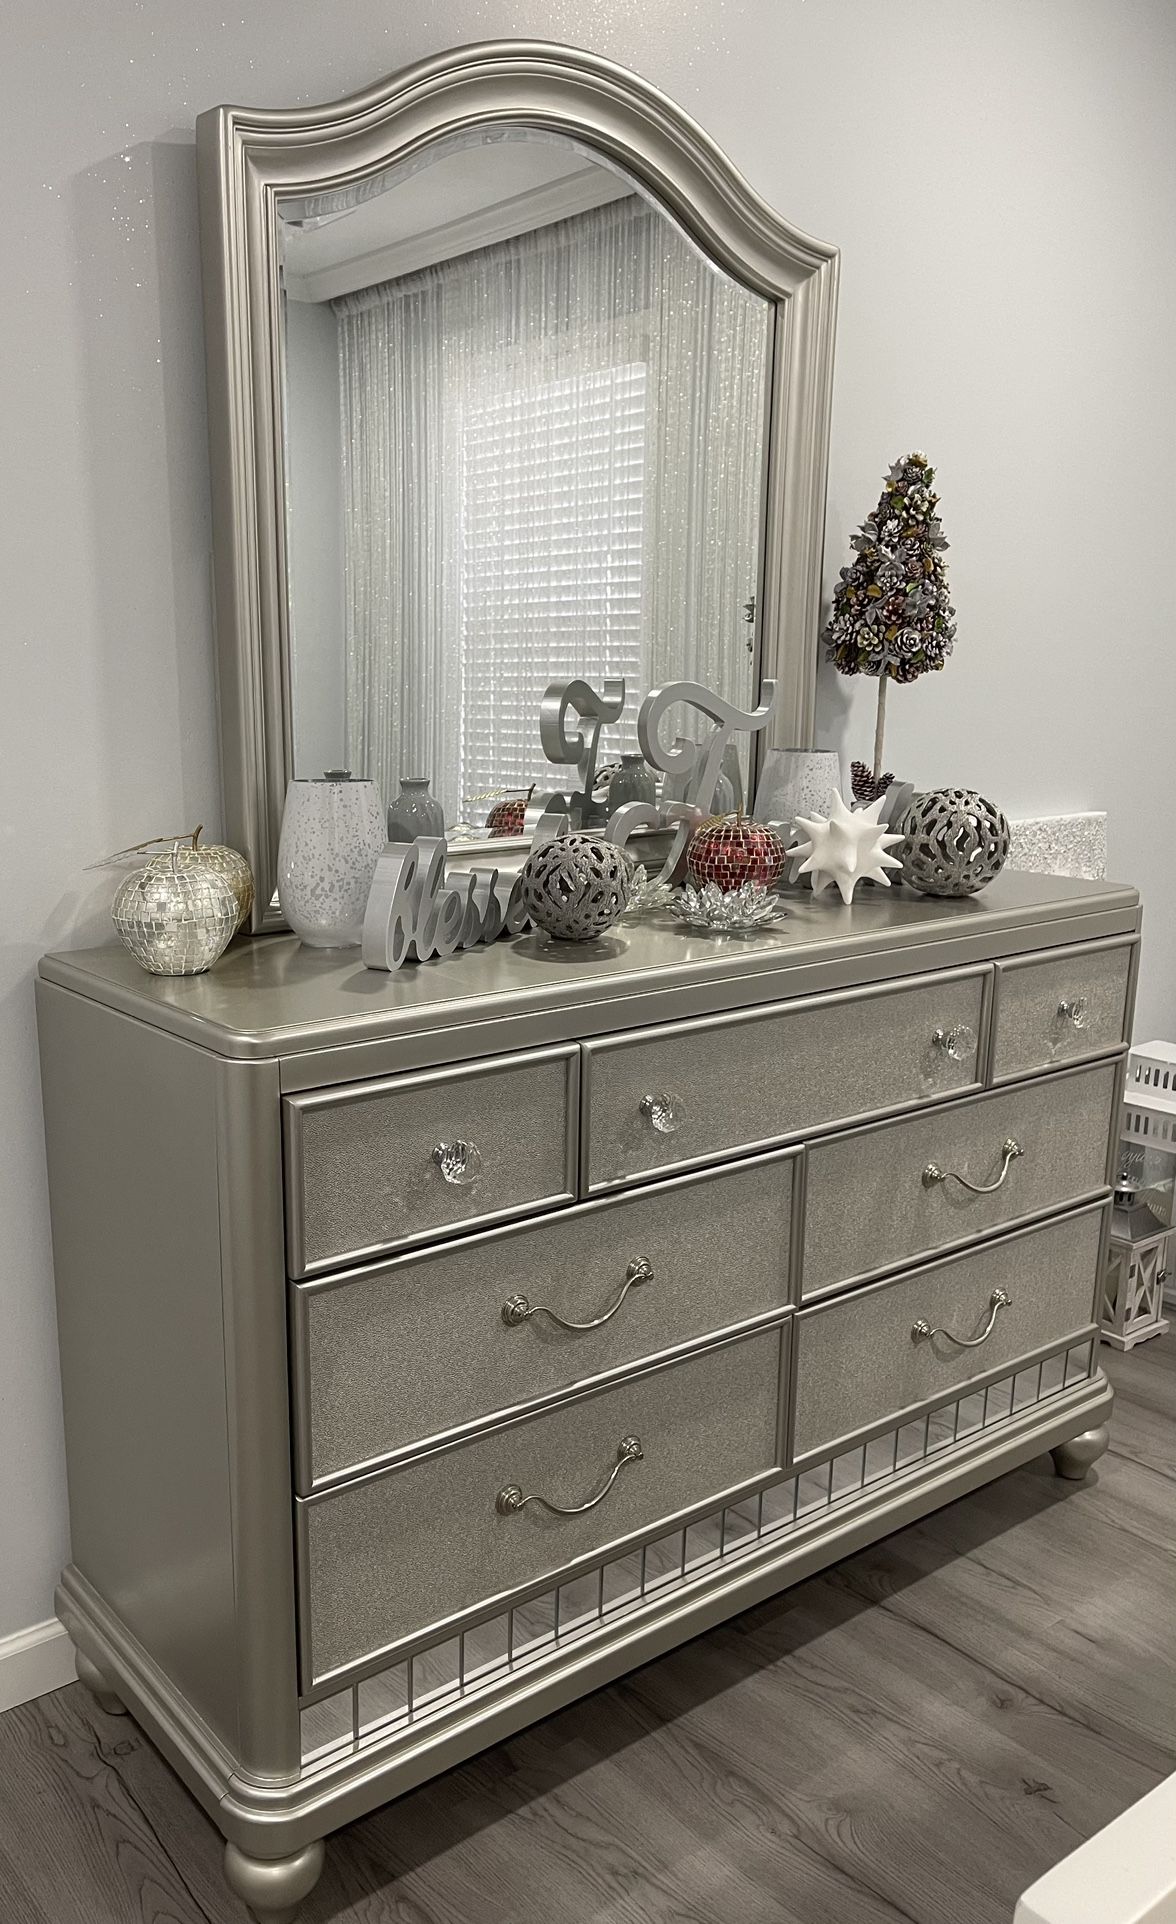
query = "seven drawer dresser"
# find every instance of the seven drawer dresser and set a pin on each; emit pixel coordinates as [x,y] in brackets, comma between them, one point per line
[436,1347]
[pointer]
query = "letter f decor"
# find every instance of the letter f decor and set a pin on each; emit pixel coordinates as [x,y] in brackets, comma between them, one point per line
[694,766]
[579,747]
[697,764]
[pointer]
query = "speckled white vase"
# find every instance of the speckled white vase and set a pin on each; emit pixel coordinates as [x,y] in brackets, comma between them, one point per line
[332,832]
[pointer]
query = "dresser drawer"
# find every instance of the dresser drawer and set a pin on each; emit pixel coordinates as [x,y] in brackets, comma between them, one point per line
[403,1552]
[431,1343]
[1057,1007]
[861,1367]
[367,1168]
[672,1097]
[872,1201]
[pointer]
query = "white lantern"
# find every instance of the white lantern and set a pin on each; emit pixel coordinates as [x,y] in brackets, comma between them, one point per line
[1147,1138]
[1142,1220]
[1133,1286]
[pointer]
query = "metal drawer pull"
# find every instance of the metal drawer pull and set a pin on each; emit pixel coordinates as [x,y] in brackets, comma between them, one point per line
[510,1500]
[958,1044]
[1074,1009]
[458,1161]
[664,1112]
[922,1332]
[517,1309]
[933,1173]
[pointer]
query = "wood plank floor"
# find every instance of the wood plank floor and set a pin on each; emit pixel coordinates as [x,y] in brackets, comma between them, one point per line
[915,1735]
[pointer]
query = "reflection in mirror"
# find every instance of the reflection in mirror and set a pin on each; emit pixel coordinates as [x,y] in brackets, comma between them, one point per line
[525,440]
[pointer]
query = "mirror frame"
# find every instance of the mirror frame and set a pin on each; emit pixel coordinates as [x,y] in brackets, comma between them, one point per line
[247,158]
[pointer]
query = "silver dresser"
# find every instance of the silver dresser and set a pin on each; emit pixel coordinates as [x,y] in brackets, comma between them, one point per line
[436,1347]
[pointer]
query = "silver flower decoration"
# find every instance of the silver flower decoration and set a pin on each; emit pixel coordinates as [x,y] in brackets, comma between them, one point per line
[730,911]
[646,893]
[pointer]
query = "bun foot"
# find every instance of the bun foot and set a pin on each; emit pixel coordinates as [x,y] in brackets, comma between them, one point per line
[1078,1453]
[99,1686]
[274,1887]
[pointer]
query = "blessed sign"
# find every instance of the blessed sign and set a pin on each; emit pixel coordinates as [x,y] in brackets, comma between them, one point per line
[415,910]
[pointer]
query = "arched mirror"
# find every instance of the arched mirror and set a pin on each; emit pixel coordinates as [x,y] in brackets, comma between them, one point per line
[512,379]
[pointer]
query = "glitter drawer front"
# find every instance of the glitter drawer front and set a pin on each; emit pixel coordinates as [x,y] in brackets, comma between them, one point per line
[441,1678]
[864,1361]
[388,1556]
[425,1345]
[1053,1009]
[895,1191]
[671,1097]
[381,1165]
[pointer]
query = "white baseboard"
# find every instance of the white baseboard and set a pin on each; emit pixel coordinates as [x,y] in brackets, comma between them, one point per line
[33,1662]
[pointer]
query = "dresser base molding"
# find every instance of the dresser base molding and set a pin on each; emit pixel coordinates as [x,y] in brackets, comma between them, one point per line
[279,1819]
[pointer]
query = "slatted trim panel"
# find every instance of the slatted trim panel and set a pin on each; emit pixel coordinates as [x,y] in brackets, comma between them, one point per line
[432,1682]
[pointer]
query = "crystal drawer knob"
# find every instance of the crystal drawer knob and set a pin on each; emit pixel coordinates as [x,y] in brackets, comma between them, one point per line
[459,1162]
[957,1044]
[1074,1009]
[664,1112]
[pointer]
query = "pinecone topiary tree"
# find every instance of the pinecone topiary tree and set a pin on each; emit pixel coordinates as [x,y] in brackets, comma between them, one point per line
[892,617]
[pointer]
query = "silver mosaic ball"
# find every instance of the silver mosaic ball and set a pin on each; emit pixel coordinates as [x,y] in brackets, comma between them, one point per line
[575,887]
[956,842]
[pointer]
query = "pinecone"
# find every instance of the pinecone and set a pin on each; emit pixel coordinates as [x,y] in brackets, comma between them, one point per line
[867,787]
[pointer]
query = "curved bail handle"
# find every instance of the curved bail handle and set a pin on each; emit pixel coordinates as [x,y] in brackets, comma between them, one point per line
[922,1331]
[511,1500]
[519,1308]
[1010,1150]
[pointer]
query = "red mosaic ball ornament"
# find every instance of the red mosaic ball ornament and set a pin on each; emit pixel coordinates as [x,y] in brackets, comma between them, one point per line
[730,850]
[509,817]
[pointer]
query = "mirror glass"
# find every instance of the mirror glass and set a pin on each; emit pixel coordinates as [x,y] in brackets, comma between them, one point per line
[524,440]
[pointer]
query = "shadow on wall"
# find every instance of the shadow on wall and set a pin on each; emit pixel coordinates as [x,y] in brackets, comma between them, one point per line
[139,329]
[834,702]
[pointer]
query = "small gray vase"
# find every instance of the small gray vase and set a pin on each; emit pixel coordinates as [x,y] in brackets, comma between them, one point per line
[632,782]
[415,812]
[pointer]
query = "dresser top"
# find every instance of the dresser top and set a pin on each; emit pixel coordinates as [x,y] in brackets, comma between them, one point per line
[270,997]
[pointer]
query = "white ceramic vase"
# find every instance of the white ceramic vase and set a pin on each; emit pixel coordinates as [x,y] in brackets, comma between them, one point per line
[332,831]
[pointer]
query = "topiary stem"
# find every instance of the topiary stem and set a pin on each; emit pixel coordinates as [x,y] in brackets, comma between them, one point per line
[880,724]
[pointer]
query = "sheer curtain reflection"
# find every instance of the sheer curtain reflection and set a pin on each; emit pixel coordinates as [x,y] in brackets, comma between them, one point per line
[552,455]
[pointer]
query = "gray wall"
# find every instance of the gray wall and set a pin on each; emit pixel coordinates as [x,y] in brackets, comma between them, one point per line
[1000,178]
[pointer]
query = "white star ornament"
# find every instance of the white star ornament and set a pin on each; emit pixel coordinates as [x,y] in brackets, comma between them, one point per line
[847,848]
